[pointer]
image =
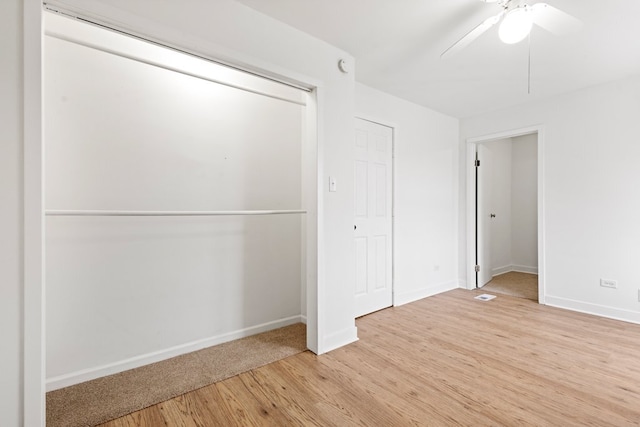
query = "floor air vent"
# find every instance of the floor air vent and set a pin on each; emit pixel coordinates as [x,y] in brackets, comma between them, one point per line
[485,297]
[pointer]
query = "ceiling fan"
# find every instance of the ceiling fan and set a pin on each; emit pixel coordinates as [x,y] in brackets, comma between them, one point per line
[517,18]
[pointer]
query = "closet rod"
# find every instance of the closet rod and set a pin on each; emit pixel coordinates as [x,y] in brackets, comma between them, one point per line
[168,213]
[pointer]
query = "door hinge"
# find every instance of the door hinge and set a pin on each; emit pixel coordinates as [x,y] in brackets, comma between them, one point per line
[477,268]
[477,163]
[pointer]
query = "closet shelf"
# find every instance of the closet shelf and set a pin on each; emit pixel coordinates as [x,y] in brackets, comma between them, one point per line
[168,213]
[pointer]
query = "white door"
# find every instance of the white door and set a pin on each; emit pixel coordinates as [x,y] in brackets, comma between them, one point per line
[483,216]
[373,222]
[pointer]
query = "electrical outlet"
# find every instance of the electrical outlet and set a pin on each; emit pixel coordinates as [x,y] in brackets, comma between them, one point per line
[606,283]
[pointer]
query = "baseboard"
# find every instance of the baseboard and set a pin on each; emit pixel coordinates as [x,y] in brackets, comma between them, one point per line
[516,268]
[501,270]
[77,377]
[595,309]
[525,269]
[339,339]
[407,297]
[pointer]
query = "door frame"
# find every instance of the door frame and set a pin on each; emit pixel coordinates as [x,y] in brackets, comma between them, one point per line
[393,195]
[472,144]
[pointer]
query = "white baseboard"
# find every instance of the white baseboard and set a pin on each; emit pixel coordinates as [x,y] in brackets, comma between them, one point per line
[502,270]
[595,309]
[77,377]
[407,297]
[517,268]
[339,339]
[525,269]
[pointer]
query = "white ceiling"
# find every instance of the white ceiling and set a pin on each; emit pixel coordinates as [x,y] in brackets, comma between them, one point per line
[397,46]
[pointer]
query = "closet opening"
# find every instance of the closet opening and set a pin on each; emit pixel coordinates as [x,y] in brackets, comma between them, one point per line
[180,203]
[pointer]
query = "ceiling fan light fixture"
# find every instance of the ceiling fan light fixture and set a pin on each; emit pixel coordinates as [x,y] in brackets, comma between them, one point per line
[516,25]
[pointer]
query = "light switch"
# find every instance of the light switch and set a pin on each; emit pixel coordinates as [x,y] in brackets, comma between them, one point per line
[332,184]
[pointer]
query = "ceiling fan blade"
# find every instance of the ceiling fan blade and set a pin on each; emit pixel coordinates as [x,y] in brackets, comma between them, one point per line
[472,35]
[554,20]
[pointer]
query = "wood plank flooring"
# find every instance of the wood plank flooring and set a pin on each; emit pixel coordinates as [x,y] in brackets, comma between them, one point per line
[445,360]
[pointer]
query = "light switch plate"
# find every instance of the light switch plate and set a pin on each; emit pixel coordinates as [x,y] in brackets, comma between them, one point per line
[332,184]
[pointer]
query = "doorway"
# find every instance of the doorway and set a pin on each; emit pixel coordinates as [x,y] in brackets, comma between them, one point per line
[505,230]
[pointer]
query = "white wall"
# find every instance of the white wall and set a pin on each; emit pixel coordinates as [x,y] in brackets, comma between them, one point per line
[524,203]
[122,292]
[590,206]
[11,194]
[425,192]
[500,226]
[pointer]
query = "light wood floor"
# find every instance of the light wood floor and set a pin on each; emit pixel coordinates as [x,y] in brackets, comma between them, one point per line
[445,360]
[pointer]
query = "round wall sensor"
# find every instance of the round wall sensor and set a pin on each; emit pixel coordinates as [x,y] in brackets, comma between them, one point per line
[343,66]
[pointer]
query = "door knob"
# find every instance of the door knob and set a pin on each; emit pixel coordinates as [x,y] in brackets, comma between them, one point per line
[355,226]
[493,215]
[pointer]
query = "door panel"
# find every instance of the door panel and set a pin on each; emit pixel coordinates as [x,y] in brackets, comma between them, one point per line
[484,196]
[381,190]
[373,218]
[361,265]
[361,182]
[381,262]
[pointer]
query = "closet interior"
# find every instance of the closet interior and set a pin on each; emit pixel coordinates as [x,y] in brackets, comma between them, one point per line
[176,215]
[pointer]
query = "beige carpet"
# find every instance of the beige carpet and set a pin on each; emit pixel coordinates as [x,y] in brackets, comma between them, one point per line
[522,285]
[106,398]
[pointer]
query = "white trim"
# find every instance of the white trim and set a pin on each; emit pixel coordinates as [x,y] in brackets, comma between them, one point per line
[377,122]
[501,270]
[470,211]
[178,70]
[513,268]
[471,223]
[315,222]
[408,297]
[157,356]
[594,309]
[524,269]
[52,212]
[34,413]
[541,218]
[95,19]
[505,134]
[340,339]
